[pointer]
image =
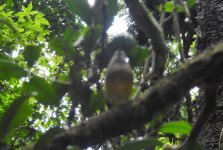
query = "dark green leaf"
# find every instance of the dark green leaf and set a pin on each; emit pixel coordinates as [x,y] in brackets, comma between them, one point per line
[190,3]
[110,11]
[31,54]
[91,37]
[141,144]
[57,45]
[45,139]
[97,100]
[138,55]
[80,8]
[64,45]
[14,116]
[61,88]
[176,127]
[68,40]
[10,70]
[43,91]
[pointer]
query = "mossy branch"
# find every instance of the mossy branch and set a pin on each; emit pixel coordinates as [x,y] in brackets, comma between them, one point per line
[204,69]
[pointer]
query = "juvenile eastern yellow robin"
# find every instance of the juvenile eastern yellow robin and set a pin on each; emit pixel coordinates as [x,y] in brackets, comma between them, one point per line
[119,79]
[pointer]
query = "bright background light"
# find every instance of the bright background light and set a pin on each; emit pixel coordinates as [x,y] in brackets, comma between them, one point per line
[91,2]
[119,25]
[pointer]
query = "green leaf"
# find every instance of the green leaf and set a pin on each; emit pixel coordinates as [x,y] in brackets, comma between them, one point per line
[31,54]
[57,45]
[64,45]
[81,8]
[45,139]
[14,116]
[111,11]
[39,18]
[44,21]
[43,91]
[10,70]
[2,7]
[176,127]
[190,3]
[68,40]
[169,6]
[30,7]
[61,88]
[97,101]
[91,37]
[6,22]
[180,8]
[138,55]
[141,144]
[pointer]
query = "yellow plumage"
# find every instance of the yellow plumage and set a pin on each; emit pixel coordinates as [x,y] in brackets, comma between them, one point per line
[119,79]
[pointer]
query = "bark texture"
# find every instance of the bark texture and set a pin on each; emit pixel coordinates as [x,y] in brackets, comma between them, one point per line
[210,31]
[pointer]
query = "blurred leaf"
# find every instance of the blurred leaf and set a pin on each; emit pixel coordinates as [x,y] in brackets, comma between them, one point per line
[5,57]
[81,8]
[97,100]
[45,139]
[141,144]
[10,70]
[91,37]
[61,88]
[71,147]
[174,127]
[68,40]
[28,146]
[169,6]
[14,116]
[138,55]
[64,45]
[190,3]
[31,54]
[180,8]
[57,45]
[43,91]
[109,10]
[6,22]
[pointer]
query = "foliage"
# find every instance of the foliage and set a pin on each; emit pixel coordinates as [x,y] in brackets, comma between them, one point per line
[54,78]
[28,26]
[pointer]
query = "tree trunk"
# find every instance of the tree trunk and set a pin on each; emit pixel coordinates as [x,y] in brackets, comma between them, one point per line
[210,31]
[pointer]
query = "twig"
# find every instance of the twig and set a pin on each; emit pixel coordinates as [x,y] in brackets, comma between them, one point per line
[189,109]
[220,138]
[177,32]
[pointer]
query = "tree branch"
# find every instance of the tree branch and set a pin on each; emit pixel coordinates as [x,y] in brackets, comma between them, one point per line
[144,18]
[206,68]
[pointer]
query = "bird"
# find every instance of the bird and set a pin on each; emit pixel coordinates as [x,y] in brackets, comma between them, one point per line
[118,79]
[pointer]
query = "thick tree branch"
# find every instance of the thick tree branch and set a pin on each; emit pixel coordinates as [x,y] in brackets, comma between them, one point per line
[144,18]
[206,68]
